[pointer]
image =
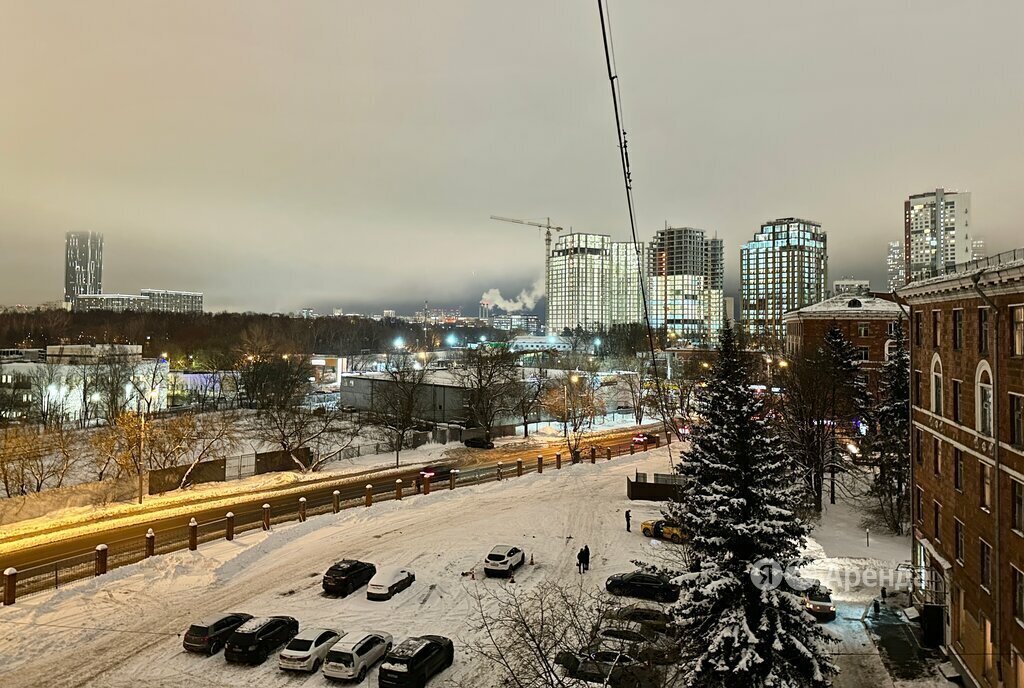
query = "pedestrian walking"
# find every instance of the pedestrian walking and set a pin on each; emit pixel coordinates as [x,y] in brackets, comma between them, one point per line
[586,557]
[579,561]
[627,521]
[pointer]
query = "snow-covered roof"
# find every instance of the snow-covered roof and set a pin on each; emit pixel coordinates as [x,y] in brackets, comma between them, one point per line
[992,270]
[849,306]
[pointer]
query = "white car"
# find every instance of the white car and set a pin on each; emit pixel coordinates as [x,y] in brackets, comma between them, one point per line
[355,654]
[307,650]
[503,559]
[388,581]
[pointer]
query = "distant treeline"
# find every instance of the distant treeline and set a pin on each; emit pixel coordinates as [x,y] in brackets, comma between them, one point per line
[211,337]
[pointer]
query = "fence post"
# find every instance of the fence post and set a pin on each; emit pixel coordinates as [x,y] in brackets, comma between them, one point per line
[452,477]
[229,526]
[398,488]
[645,445]
[632,449]
[519,468]
[668,437]
[336,500]
[10,586]
[266,517]
[193,535]
[499,470]
[540,464]
[426,484]
[101,559]
[369,495]
[302,509]
[609,453]
[558,460]
[150,543]
[593,455]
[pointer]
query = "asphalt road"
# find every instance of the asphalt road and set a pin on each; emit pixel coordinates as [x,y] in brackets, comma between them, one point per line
[475,464]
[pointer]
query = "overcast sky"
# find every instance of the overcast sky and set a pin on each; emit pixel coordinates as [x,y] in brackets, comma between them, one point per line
[276,155]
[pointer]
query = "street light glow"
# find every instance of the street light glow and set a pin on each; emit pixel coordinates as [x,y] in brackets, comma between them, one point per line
[398,343]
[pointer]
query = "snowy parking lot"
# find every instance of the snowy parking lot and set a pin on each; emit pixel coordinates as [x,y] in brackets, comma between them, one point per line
[123,629]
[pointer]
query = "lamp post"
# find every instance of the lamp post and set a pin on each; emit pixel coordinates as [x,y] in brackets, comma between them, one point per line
[565,404]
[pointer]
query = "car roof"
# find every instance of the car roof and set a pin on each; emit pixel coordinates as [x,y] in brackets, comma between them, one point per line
[501,549]
[626,625]
[346,564]
[214,618]
[255,623]
[389,571]
[314,633]
[353,638]
[409,647]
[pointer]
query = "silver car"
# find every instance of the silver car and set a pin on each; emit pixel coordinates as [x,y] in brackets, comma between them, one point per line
[307,650]
[353,656]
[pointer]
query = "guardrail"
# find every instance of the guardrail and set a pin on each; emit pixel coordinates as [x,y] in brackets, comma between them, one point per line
[105,557]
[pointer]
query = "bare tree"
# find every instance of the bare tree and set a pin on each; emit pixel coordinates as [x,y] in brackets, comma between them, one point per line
[575,404]
[395,399]
[635,376]
[489,377]
[526,397]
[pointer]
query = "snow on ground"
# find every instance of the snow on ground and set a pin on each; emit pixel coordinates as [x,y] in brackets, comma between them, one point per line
[121,629]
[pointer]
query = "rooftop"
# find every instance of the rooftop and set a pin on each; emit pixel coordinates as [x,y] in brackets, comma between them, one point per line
[849,306]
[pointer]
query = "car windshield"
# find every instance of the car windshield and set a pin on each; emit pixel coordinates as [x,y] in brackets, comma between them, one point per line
[818,596]
[496,556]
[622,634]
[300,645]
[340,657]
[196,629]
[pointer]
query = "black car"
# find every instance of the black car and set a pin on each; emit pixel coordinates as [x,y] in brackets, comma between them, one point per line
[479,443]
[209,635]
[611,668]
[646,586]
[436,473]
[253,641]
[648,616]
[347,576]
[415,661]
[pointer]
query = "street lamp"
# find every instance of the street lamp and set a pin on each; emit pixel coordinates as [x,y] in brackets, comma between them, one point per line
[398,343]
[451,339]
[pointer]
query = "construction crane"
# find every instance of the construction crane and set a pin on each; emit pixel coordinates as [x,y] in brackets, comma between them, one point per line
[547,236]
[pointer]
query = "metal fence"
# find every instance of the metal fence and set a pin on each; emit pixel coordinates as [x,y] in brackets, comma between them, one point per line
[52,575]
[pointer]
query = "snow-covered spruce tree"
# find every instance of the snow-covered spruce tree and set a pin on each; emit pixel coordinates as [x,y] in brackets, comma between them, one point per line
[891,482]
[739,505]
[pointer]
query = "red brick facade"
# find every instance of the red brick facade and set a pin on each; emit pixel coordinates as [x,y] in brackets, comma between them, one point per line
[967,390]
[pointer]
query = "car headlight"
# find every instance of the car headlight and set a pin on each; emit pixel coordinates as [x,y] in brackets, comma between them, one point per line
[831,609]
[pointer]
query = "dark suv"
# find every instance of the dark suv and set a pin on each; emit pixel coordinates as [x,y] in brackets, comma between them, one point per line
[415,661]
[647,586]
[253,641]
[347,576]
[209,635]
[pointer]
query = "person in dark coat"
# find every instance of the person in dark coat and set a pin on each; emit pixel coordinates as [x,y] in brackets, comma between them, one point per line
[586,557]
[627,521]
[579,561]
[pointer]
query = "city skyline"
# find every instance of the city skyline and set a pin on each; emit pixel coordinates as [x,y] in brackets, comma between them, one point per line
[354,158]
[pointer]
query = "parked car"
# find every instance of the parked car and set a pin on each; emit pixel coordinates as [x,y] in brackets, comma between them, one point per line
[818,601]
[503,560]
[355,654]
[479,443]
[647,586]
[638,641]
[307,650]
[253,641]
[209,635]
[347,576]
[389,581]
[415,661]
[643,613]
[612,668]
[648,438]
[665,530]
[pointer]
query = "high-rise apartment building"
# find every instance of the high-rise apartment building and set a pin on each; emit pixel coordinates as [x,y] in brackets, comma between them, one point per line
[168,301]
[783,268]
[593,283]
[936,233]
[978,248]
[851,286]
[896,265]
[83,264]
[686,286]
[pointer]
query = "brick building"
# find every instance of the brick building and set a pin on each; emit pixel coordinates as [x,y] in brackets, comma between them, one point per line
[967,462]
[867,321]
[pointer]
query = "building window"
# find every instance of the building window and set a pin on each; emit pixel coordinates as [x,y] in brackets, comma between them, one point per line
[918,448]
[863,353]
[986,565]
[958,329]
[917,387]
[1017,419]
[937,456]
[919,504]
[983,403]
[936,385]
[985,487]
[918,326]
[983,330]
[936,329]
[1018,330]
[958,541]
[958,469]
[863,329]
[1017,505]
[1018,594]
[937,521]
[956,401]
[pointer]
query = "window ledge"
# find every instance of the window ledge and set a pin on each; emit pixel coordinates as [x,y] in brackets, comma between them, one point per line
[987,591]
[986,509]
[1016,532]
